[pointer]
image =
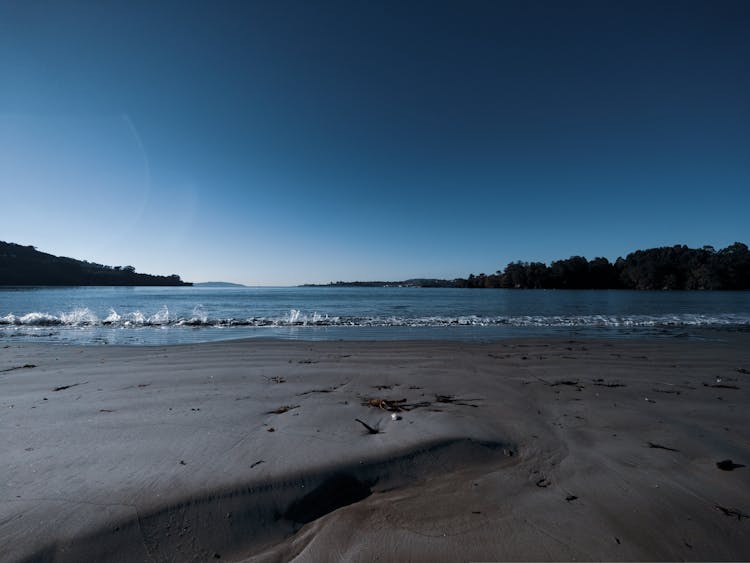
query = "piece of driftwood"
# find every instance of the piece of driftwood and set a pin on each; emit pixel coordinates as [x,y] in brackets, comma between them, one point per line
[732,512]
[721,386]
[369,428]
[24,366]
[660,447]
[64,387]
[282,409]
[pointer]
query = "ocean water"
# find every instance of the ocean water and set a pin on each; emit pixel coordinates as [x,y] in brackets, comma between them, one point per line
[173,315]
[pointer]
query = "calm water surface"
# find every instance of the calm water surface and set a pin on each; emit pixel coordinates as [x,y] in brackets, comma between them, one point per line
[146,315]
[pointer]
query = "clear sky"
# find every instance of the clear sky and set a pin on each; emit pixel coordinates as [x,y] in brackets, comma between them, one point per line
[278,142]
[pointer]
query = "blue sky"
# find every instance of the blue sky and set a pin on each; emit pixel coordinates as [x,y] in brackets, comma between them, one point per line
[274,143]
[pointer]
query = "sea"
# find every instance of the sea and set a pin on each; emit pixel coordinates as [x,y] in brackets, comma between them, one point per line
[178,315]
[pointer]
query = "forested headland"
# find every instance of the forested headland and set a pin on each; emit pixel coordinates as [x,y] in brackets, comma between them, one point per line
[670,267]
[25,265]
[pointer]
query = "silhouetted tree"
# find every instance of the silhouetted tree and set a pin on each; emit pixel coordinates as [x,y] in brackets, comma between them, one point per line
[669,267]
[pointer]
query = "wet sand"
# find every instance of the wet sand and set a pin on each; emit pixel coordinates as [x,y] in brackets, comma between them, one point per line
[549,449]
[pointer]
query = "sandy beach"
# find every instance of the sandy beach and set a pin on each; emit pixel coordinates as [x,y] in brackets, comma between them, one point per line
[550,449]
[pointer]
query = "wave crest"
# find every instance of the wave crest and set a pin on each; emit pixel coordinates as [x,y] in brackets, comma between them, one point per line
[84,317]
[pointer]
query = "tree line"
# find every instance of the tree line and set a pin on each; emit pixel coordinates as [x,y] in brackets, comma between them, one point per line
[25,265]
[670,267]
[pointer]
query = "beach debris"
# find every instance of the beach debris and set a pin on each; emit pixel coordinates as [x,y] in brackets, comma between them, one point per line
[276,378]
[271,429]
[565,382]
[24,366]
[672,391]
[452,399]
[571,498]
[369,428]
[721,386]
[382,387]
[323,390]
[399,405]
[543,483]
[257,463]
[649,400]
[282,409]
[732,512]
[386,404]
[64,387]
[395,416]
[498,356]
[182,462]
[445,398]
[739,370]
[601,383]
[661,447]
[617,540]
[421,404]
[728,465]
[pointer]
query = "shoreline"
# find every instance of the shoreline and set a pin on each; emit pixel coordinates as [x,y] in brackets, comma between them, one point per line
[187,336]
[516,449]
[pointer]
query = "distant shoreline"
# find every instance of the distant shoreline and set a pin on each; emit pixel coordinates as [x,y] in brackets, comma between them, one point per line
[670,267]
[450,285]
[406,283]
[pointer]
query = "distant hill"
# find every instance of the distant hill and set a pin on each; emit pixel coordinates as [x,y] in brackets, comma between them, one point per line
[217,284]
[418,282]
[25,265]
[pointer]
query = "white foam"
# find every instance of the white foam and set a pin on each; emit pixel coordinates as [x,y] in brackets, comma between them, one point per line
[37,319]
[83,316]
[160,318]
[112,318]
[79,316]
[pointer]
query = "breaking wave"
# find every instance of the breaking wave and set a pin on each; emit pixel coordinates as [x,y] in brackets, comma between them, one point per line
[84,317]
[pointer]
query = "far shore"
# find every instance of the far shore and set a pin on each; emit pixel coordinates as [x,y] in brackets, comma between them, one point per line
[256,450]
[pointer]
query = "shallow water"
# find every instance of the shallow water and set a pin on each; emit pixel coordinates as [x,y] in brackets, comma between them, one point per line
[171,315]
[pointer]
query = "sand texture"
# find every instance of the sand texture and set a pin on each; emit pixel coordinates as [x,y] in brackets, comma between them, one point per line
[549,449]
